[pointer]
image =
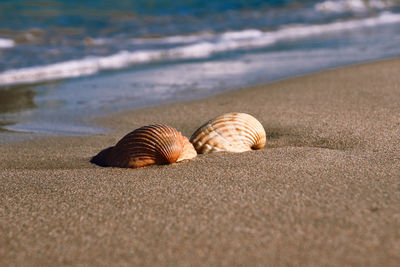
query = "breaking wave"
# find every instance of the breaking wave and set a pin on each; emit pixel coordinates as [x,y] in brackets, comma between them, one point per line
[355,6]
[6,43]
[192,47]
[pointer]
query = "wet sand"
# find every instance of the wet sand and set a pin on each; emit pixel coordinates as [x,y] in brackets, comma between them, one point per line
[324,192]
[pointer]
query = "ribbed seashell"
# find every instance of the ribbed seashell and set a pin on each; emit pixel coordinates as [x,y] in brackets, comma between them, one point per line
[153,144]
[231,132]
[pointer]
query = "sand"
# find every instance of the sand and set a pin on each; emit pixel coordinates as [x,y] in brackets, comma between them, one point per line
[324,192]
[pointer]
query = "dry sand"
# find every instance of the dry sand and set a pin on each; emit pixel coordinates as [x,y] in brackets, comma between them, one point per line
[324,192]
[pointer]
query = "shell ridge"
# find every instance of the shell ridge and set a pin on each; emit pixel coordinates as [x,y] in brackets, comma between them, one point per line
[253,128]
[220,133]
[167,145]
[164,150]
[234,132]
[204,137]
[142,142]
[216,140]
[149,144]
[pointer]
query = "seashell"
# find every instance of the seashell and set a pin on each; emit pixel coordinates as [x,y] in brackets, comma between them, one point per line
[153,144]
[231,132]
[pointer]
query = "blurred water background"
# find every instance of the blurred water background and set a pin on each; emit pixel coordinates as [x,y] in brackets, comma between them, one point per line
[64,61]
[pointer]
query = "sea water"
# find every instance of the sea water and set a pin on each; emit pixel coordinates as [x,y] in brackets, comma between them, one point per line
[63,62]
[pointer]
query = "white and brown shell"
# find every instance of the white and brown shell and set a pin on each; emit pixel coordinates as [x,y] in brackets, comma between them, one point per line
[231,132]
[153,144]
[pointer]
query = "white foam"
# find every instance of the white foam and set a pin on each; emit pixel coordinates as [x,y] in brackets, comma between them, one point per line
[242,35]
[224,42]
[304,31]
[356,6]
[75,68]
[6,43]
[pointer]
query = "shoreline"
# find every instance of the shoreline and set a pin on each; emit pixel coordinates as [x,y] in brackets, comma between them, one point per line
[94,124]
[324,190]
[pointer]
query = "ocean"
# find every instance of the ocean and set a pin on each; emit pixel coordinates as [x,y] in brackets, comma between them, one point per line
[65,62]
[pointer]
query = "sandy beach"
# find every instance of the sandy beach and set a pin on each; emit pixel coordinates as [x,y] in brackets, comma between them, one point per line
[325,191]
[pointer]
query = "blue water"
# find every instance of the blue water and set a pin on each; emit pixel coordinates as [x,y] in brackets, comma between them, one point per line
[62,62]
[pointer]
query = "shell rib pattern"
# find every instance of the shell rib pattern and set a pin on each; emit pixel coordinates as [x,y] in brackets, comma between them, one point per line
[153,144]
[231,132]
